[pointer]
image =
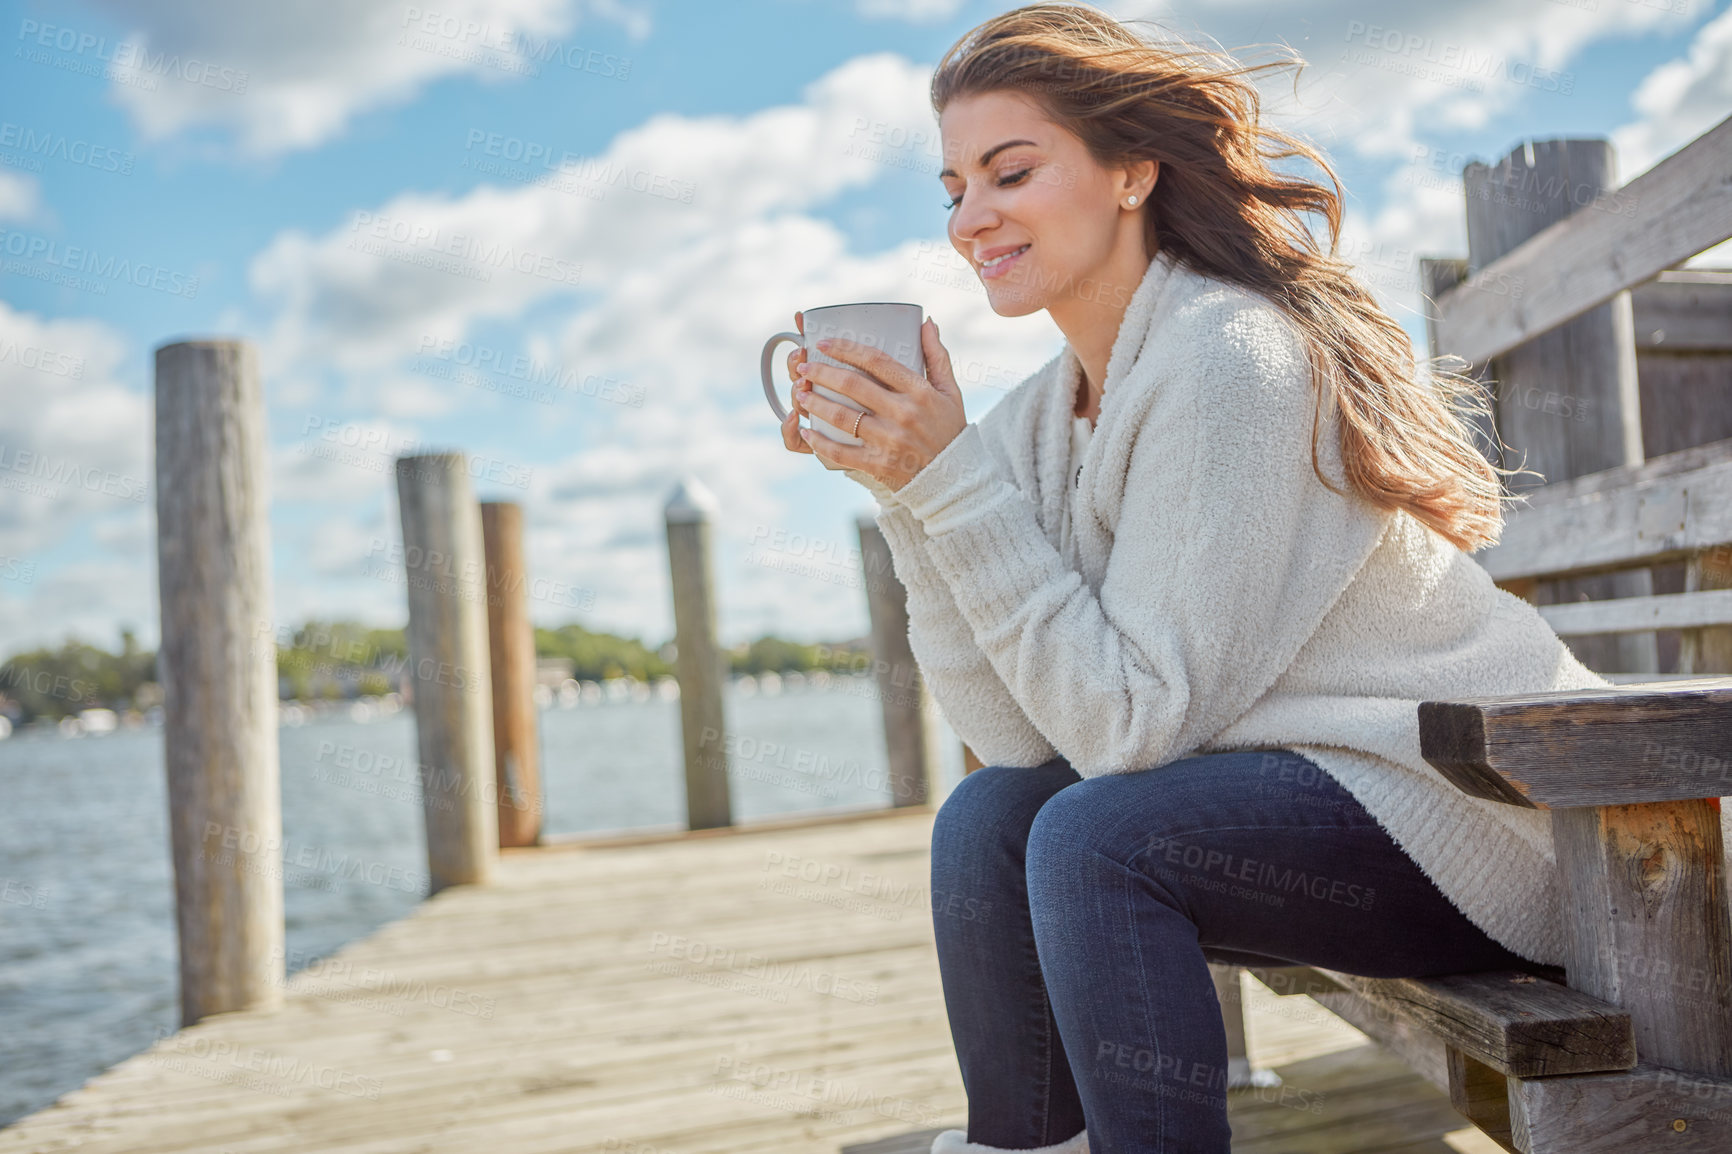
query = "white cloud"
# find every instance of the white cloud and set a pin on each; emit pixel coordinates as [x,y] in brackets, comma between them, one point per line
[1679,100]
[915,11]
[675,300]
[1380,80]
[676,297]
[291,76]
[675,293]
[1381,77]
[20,197]
[1416,221]
[425,266]
[74,461]
[90,599]
[663,261]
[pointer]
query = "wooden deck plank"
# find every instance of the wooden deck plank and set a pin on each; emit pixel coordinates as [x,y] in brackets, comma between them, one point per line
[593,1041]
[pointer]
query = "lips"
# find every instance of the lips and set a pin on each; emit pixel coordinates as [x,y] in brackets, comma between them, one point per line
[1000,264]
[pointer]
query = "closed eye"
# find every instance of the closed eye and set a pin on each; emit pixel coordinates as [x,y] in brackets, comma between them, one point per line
[1003,182]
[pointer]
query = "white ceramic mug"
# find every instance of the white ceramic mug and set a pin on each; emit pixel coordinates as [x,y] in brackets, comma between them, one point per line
[892,326]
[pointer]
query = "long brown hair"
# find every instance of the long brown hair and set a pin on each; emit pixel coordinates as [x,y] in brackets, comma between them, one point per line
[1407,440]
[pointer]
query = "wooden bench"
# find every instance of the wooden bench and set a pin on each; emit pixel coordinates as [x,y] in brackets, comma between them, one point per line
[1629,1047]
[1632,1050]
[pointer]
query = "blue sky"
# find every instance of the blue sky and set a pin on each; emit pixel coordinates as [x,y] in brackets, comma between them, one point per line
[330,179]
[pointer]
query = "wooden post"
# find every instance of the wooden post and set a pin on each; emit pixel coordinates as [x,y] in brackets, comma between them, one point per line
[448,666]
[1567,401]
[511,650]
[699,662]
[1230,992]
[219,676]
[1644,888]
[911,723]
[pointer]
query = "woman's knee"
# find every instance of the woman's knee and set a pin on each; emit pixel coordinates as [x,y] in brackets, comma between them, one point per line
[1076,821]
[996,803]
[1122,817]
[1098,836]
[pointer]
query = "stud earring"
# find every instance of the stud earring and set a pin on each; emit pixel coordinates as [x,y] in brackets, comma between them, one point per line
[1130,201]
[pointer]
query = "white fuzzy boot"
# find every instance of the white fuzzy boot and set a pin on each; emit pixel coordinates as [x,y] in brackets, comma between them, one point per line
[956,1142]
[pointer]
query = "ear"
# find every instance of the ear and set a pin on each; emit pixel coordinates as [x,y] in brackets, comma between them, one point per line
[1140,178]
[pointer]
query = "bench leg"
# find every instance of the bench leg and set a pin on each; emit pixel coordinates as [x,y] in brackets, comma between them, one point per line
[1481,1095]
[1648,929]
[1230,990]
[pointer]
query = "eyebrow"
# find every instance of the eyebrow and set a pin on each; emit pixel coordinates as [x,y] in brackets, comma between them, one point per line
[986,157]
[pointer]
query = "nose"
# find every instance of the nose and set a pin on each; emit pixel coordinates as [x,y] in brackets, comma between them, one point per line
[970,219]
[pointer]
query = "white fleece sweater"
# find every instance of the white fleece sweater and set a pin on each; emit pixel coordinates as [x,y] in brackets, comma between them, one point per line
[1216,595]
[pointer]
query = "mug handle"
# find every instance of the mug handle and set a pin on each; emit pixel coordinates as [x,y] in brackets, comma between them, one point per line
[769,384]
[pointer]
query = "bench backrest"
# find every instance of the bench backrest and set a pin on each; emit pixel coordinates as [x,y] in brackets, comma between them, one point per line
[1672,508]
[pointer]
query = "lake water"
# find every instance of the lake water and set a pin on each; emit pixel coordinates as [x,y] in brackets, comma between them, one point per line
[87,946]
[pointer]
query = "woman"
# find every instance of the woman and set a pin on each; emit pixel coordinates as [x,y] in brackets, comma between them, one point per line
[1182,590]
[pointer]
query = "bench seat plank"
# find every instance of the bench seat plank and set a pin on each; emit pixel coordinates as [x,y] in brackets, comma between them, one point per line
[1513,1022]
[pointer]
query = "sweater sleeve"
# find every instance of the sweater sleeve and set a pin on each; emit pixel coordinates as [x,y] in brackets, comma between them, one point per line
[973,697]
[885,495]
[1227,552]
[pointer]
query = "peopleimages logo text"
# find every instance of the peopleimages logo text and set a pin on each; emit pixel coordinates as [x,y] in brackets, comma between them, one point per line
[132,56]
[89,262]
[46,145]
[466,246]
[457,31]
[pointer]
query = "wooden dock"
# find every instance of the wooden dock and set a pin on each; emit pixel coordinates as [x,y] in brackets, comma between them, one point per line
[757,989]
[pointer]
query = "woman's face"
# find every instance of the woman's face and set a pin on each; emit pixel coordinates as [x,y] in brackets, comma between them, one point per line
[1035,216]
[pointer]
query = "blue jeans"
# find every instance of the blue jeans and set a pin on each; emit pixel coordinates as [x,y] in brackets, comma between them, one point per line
[1076,919]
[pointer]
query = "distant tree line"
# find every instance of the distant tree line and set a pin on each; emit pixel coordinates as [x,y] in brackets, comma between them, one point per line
[339,659]
[56,683]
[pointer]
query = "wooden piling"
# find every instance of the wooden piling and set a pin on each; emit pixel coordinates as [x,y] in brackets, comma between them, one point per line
[449,673]
[699,661]
[511,652]
[218,667]
[911,722]
[1567,401]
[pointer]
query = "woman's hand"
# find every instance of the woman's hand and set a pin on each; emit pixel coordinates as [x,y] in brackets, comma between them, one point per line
[792,439]
[909,418]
